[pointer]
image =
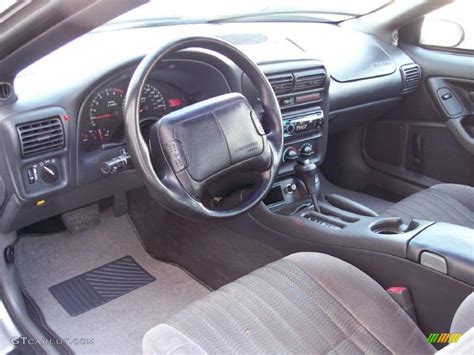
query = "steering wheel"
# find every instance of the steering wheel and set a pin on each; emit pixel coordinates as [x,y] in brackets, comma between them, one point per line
[207,142]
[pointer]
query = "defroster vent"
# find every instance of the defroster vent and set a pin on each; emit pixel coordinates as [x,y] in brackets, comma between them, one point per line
[41,136]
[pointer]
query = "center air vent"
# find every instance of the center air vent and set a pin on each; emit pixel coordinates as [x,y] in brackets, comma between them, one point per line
[281,83]
[309,79]
[298,81]
[41,136]
[411,77]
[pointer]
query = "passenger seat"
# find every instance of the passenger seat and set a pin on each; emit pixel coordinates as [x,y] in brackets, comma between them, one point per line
[303,303]
[450,203]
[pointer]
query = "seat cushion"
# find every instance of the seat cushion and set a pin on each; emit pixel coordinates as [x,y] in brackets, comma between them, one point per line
[304,303]
[464,346]
[464,317]
[448,203]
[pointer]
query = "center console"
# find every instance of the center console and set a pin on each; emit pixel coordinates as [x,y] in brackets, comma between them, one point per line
[440,247]
[295,208]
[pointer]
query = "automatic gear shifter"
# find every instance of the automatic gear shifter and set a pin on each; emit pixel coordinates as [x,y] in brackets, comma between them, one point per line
[306,171]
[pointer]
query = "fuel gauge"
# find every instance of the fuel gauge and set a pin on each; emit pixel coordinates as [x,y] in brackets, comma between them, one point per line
[103,135]
[95,138]
[89,136]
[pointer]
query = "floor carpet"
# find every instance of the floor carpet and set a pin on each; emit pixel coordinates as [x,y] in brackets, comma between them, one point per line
[116,327]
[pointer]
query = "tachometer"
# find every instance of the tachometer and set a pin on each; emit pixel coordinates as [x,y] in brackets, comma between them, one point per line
[152,102]
[106,105]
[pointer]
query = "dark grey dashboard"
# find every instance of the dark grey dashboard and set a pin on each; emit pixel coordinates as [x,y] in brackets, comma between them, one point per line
[81,87]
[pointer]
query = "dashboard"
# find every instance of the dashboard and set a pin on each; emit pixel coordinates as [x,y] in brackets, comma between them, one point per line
[83,96]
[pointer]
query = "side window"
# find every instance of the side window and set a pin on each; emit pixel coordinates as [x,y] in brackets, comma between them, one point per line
[451,26]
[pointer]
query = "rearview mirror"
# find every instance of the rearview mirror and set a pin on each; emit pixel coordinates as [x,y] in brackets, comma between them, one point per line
[442,33]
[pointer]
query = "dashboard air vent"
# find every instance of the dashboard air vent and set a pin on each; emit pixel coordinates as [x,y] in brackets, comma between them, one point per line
[281,83]
[411,77]
[41,136]
[309,80]
[6,91]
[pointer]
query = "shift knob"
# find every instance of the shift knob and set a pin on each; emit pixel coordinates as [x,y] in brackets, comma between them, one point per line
[306,171]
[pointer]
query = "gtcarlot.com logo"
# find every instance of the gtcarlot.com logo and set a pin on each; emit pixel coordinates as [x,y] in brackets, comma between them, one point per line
[442,338]
[22,340]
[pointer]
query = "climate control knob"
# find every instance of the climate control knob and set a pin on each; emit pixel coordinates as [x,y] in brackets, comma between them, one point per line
[49,173]
[307,151]
[290,154]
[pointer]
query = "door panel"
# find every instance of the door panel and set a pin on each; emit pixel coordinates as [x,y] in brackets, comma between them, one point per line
[425,153]
[454,100]
[432,151]
[429,138]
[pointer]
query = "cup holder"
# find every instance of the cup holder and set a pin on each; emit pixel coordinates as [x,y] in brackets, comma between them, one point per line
[392,226]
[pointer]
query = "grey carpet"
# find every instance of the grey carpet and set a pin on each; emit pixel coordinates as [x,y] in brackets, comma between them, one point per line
[375,203]
[116,327]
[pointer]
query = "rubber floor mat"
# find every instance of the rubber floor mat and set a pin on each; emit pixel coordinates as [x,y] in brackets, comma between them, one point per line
[101,285]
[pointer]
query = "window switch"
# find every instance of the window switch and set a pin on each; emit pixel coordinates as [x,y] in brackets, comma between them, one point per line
[447,96]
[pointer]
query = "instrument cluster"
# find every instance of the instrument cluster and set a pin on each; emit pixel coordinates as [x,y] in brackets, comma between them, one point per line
[101,125]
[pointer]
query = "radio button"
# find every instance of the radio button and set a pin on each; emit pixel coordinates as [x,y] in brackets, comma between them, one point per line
[287,101]
[290,128]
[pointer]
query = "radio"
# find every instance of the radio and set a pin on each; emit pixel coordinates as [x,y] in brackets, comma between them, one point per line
[302,124]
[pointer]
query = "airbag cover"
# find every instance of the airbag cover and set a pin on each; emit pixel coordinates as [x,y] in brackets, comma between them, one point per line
[210,136]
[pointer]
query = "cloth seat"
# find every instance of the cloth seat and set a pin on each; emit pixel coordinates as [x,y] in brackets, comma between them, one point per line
[303,303]
[450,203]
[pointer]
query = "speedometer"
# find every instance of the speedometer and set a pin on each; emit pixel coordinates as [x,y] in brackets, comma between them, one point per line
[152,102]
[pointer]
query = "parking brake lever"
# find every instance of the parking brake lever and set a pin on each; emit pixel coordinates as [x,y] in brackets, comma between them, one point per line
[350,206]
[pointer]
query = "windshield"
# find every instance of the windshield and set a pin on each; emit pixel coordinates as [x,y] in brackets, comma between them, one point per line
[182,11]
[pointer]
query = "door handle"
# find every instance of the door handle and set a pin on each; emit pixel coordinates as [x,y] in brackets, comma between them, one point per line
[417,147]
